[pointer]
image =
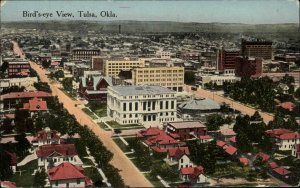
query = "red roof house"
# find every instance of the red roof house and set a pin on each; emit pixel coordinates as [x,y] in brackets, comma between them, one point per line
[230,150]
[264,157]
[66,173]
[178,152]
[244,161]
[193,174]
[273,165]
[8,184]
[281,171]
[35,104]
[287,105]
[31,94]
[62,149]
[46,136]
[221,143]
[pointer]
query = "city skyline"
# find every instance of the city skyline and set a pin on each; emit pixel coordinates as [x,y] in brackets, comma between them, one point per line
[222,11]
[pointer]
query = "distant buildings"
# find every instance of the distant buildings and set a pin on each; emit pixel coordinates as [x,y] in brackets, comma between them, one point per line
[186,129]
[141,104]
[262,49]
[284,138]
[248,66]
[170,77]
[227,59]
[98,63]
[218,79]
[20,82]
[79,54]
[113,67]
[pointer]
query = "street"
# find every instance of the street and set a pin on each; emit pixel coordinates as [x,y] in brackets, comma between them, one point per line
[131,175]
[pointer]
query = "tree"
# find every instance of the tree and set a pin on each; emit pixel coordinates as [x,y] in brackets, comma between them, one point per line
[46,63]
[4,66]
[5,168]
[59,74]
[13,89]
[68,84]
[40,178]
[189,77]
[42,86]
[297,93]
[214,121]
[23,145]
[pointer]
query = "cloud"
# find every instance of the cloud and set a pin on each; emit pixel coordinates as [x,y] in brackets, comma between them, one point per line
[294,1]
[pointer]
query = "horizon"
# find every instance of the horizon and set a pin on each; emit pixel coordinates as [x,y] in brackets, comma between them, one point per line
[214,11]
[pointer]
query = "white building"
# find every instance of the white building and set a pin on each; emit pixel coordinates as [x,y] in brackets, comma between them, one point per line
[284,139]
[193,174]
[201,80]
[141,104]
[54,154]
[296,151]
[25,82]
[179,156]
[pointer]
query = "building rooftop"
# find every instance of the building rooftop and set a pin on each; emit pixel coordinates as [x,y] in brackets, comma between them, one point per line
[186,124]
[141,90]
[200,104]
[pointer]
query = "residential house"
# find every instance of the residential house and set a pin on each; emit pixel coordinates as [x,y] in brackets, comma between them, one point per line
[55,154]
[46,137]
[35,105]
[179,156]
[68,175]
[186,129]
[193,174]
[262,156]
[7,184]
[285,139]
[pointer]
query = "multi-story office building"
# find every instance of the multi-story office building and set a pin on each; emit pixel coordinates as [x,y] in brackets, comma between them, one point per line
[98,63]
[141,104]
[79,54]
[261,49]
[113,67]
[248,66]
[227,59]
[170,77]
[18,68]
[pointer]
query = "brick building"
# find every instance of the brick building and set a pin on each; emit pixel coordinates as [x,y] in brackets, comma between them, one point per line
[248,66]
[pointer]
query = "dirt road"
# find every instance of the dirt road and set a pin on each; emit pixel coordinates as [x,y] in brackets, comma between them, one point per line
[131,175]
[235,105]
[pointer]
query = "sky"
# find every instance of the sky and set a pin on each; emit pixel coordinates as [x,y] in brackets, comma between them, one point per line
[202,11]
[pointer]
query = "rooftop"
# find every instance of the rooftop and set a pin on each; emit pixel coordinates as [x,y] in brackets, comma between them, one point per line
[187,124]
[141,90]
[200,104]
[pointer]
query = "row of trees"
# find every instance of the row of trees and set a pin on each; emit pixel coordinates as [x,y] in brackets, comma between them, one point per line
[214,121]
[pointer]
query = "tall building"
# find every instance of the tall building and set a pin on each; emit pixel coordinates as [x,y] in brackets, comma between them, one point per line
[170,77]
[261,49]
[80,54]
[18,68]
[98,63]
[141,104]
[113,67]
[227,59]
[248,66]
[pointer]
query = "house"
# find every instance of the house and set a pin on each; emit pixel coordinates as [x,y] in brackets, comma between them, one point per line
[8,184]
[296,151]
[35,105]
[244,161]
[226,133]
[46,137]
[193,174]
[179,156]
[287,105]
[55,154]
[281,171]
[284,139]
[94,88]
[273,165]
[230,150]
[205,138]
[186,129]
[232,140]
[9,100]
[262,156]
[68,175]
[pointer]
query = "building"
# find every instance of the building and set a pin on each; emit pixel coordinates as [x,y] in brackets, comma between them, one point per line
[296,151]
[201,80]
[164,54]
[98,63]
[227,59]
[248,66]
[262,49]
[54,154]
[284,138]
[179,156]
[46,137]
[20,82]
[68,175]
[197,108]
[170,77]
[35,105]
[18,68]
[186,129]
[94,88]
[193,174]
[13,160]
[7,184]
[113,67]
[9,100]
[79,54]
[141,104]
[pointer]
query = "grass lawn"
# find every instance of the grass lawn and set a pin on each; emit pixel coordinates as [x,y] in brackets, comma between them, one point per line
[142,169]
[88,112]
[87,161]
[100,110]
[103,126]
[231,169]
[30,167]
[25,180]
[115,125]
[121,145]
[155,182]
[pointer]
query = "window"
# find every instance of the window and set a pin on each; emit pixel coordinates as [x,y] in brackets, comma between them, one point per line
[124,115]
[124,106]
[149,118]
[167,104]
[161,105]
[172,104]
[130,106]
[145,118]
[144,105]
[78,181]
[136,106]
[56,183]
[153,105]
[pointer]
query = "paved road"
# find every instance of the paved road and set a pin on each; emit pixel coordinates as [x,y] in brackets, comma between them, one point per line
[131,175]
[235,105]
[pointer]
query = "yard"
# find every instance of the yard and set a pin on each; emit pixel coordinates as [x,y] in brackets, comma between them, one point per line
[99,109]
[231,170]
[94,175]
[88,112]
[121,145]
